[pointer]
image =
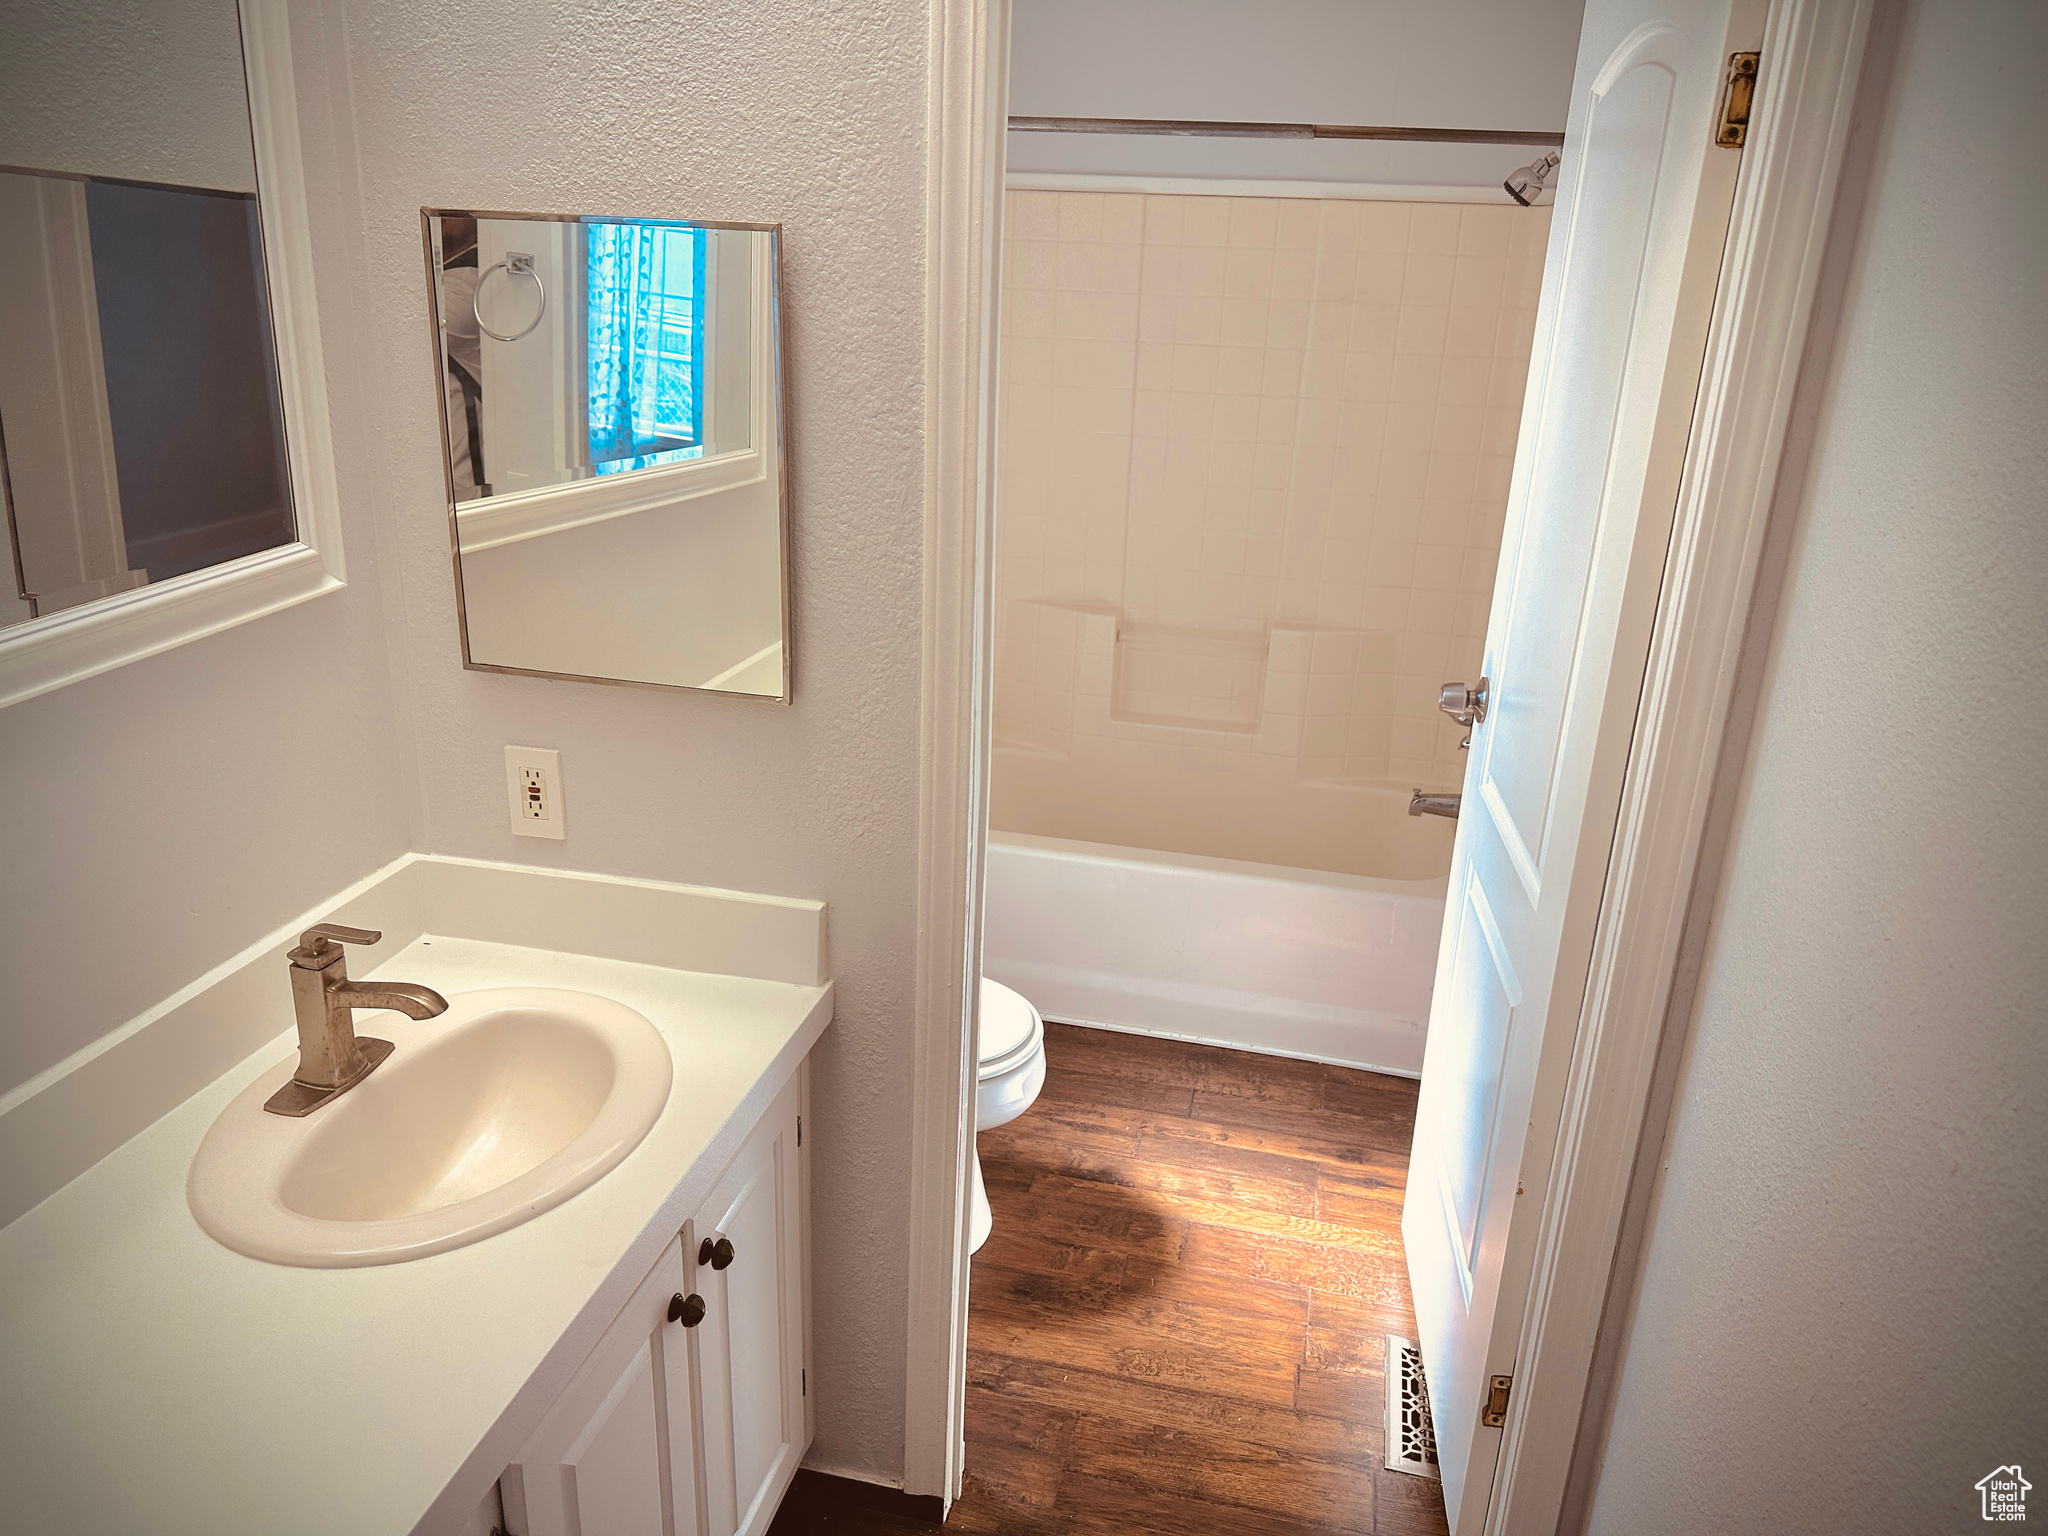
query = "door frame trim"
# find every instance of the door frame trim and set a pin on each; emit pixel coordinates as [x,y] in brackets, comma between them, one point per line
[966,116]
[1756,348]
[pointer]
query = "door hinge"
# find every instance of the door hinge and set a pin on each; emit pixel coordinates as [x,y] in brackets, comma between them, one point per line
[806,1377]
[1496,1414]
[1736,96]
[799,1130]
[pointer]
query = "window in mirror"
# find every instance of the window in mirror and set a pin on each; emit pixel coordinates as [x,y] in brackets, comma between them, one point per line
[611,406]
[141,427]
[645,284]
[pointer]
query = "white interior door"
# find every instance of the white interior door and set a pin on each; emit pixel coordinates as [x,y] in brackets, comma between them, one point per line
[1636,242]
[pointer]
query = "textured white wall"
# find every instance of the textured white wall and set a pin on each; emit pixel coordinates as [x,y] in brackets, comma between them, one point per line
[771,111]
[1451,64]
[165,815]
[110,88]
[1839,1324]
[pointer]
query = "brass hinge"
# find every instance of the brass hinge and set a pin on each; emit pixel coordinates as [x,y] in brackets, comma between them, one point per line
[1736,96]
[1496,1414]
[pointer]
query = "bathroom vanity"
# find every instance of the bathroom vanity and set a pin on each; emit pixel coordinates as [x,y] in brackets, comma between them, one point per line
[633,1358]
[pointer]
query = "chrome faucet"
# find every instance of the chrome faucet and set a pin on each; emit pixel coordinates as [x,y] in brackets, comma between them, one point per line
[1420,804]
[332,1057]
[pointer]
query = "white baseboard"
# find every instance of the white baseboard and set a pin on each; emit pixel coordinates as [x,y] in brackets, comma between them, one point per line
[60,1122]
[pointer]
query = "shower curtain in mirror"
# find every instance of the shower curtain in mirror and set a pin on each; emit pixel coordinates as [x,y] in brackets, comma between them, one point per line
[645,344]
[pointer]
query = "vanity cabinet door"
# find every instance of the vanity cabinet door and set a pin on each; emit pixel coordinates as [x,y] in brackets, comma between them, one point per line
[751,1343]
[616,1455]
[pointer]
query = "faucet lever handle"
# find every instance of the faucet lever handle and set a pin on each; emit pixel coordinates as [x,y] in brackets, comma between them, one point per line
[319,945]
[315,935]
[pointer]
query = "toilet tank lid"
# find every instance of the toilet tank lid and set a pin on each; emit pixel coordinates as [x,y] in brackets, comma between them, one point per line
[1007,1021]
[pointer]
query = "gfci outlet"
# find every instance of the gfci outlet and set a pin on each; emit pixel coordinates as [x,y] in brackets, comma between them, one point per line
[533,780]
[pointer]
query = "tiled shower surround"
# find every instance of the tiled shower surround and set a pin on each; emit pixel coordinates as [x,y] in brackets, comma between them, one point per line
[1253,463]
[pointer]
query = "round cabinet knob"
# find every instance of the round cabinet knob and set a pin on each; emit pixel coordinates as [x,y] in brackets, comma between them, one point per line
[718,1255]
[687,1310]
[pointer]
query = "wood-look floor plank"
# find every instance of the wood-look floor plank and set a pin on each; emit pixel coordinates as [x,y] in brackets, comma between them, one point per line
[1329,1144]
[1233,1474]
[1343,1369]
[1369,1133]
[1367,1271]
[1373,1095]
[1021,1448]
[1271,1185]
[1145,1339]
[1109,1090]
[1089,1213]
[1367,1201]
[1113,1506]
[1408,1506]
[1112,1127]
[1322,1436]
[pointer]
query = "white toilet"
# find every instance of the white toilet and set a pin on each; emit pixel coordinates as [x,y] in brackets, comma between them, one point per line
[1010,1072]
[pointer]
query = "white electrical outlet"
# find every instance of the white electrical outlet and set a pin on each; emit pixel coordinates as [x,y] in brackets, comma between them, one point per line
[533,785]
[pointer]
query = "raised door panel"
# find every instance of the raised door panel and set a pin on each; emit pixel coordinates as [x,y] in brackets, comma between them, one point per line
[751,1342]
[617,1454]
[1553,604]
[613,1471]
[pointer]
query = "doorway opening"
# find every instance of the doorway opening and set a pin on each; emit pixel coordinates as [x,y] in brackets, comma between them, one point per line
[1255,444]
[1671,325]
[1254,456]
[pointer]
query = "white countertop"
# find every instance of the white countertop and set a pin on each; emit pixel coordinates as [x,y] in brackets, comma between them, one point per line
[154,1381]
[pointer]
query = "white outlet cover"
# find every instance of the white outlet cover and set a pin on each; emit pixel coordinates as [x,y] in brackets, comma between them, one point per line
[533,791]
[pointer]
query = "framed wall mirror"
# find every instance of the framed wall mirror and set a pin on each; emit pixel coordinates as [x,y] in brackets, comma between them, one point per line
[611,408]
[164,459]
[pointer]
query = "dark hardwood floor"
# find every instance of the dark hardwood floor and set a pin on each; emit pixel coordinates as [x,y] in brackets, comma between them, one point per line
[1177,1322]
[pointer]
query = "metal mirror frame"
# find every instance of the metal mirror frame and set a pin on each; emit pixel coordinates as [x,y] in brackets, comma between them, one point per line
[780,394]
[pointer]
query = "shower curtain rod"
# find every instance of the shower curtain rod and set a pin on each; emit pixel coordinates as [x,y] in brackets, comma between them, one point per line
[1223,130]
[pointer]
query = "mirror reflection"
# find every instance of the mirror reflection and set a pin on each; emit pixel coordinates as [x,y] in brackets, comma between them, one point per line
[610,394]
[141,429]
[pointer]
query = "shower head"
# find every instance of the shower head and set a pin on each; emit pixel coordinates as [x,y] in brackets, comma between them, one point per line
[1526,184]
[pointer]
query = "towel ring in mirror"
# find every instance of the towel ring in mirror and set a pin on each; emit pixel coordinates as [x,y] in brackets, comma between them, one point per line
[515,264]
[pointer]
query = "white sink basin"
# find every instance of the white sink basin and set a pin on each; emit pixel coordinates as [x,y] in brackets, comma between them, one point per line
[501,1108]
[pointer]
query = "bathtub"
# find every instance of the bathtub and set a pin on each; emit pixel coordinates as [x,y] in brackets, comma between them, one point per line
[1289,962]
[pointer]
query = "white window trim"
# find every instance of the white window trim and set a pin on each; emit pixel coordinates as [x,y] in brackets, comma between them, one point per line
[67,647]
[490,521]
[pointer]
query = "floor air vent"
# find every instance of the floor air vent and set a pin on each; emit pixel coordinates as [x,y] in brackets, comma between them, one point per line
[1411,1437]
